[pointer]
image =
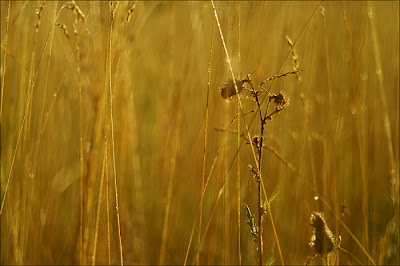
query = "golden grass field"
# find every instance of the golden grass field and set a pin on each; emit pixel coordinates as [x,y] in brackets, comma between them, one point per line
[116,143]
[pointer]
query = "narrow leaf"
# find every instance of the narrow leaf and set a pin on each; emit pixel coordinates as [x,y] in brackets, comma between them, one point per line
[273,196]
[270,258]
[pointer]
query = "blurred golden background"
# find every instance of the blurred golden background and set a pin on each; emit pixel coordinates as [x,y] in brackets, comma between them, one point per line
[103,122]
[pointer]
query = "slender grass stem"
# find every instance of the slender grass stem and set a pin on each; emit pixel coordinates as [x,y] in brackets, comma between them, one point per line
[205,140]
[358,128]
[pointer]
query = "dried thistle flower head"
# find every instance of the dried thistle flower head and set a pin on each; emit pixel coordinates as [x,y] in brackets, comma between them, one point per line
[280,100]
[228,88]
[322,241]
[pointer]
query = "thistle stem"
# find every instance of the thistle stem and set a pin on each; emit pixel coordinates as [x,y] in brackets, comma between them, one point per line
[260,212]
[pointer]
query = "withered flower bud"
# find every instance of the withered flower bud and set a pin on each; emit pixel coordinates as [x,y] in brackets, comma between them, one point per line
[280,100]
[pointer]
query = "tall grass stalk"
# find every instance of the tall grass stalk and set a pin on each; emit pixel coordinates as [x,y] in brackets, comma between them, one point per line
[173,152]
[103,173]
[394,171]
[81,162]
[361,149]
[113,9]
[296,67]
[238,184]
[4,60]
[331,167]
[176,144]
[41,115]
[205,140]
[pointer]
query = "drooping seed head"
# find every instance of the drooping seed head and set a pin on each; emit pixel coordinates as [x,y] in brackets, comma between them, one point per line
[228,88]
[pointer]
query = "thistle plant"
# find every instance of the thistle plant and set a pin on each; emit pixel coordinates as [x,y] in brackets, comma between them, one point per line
[264,113]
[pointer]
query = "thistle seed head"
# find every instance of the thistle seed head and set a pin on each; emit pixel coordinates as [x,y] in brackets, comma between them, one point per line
[280,100]
[228,88]
[322,240]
